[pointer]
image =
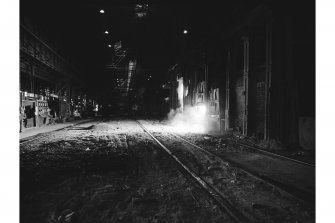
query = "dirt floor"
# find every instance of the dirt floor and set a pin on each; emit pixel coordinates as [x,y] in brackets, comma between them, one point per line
[112,171]
[109,172]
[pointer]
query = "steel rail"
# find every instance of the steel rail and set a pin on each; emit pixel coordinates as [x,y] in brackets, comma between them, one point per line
[217,196]
[274,154]
[253,147]
[291,191]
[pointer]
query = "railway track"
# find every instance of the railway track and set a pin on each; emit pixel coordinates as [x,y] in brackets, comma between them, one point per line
[238,211]
[263,151]
[213,192]
[289,190]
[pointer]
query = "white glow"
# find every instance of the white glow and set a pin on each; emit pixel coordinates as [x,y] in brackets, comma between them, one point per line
[185,31]
[106,32]
[192,120]
[109,45]
[102,11]
[187,119]
[180,92]
[201,110]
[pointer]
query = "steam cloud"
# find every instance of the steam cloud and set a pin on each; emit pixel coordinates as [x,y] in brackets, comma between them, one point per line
[186,119]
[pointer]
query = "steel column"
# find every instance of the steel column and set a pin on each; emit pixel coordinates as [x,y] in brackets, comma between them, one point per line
[268,67]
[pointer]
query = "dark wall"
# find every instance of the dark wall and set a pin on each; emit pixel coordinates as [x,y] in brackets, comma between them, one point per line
[293,74]
[281,50]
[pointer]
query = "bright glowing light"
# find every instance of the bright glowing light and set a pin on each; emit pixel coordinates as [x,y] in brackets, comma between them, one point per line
[106,32]
[102,11]
[109,45]
[180,92]
[191,120]
[201,110]
[187,119]
[185,31]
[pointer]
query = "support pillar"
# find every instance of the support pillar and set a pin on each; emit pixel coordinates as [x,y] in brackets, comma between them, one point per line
[245,83]
[268,69]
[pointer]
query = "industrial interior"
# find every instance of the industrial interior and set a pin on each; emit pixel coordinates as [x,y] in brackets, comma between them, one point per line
[167,111]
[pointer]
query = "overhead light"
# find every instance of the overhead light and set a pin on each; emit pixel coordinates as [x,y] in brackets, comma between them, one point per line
[102,11]
[185,31]
[106,32]
[109,45]
[141,10]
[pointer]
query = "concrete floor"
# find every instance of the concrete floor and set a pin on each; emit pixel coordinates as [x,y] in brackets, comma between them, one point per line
[29,132]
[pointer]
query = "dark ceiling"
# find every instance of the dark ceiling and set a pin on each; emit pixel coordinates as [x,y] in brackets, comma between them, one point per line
[156,41]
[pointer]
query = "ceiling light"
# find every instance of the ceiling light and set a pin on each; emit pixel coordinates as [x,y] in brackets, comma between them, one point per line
[185,31]
[102,11]
[106,32]
[109,45]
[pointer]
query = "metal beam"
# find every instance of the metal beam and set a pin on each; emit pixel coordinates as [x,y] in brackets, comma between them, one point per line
[47,46]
